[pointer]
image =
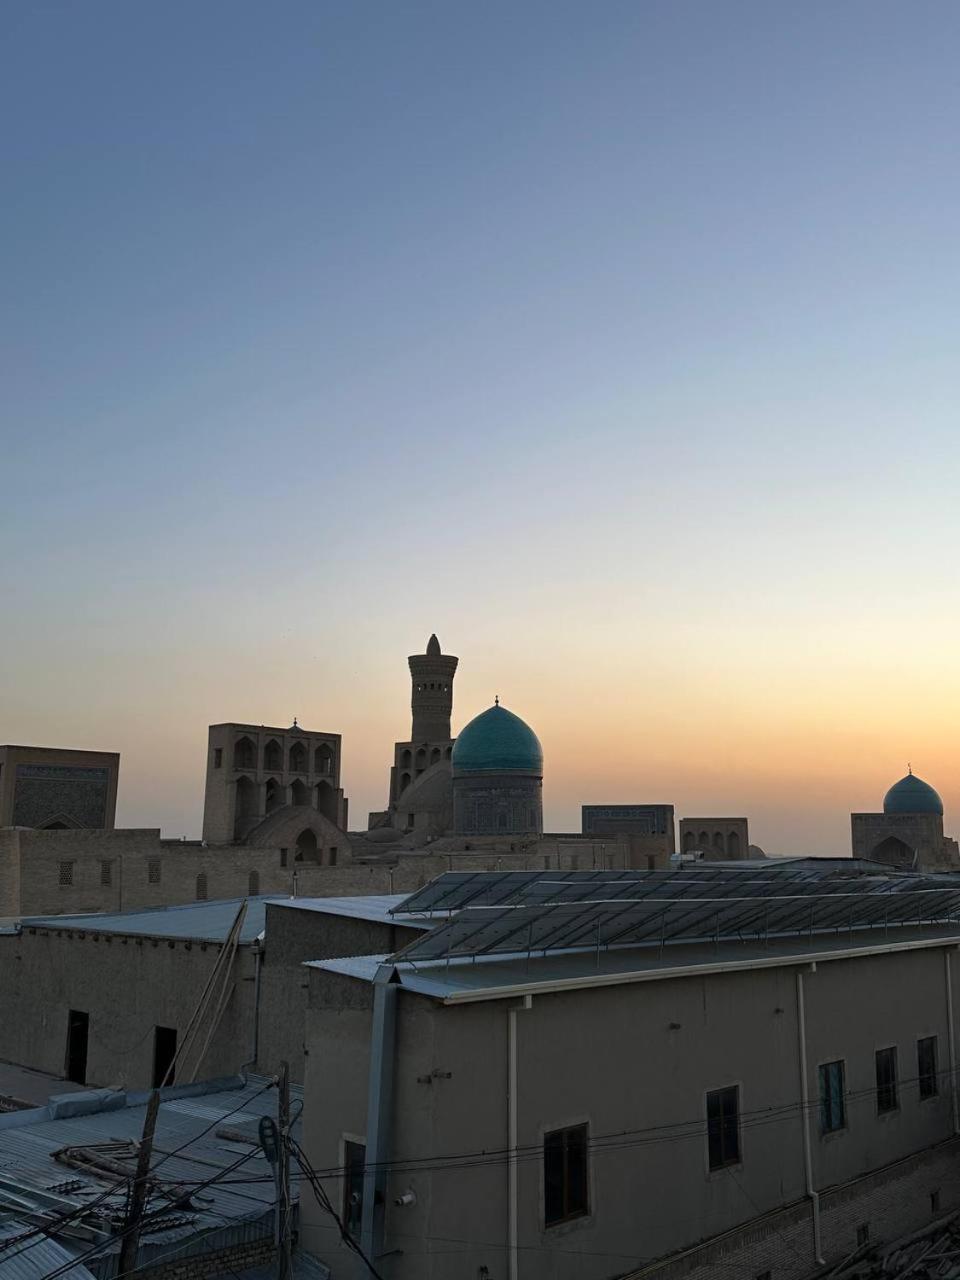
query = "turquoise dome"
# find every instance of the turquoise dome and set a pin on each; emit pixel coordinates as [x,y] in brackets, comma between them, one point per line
[912,795]
[497,741]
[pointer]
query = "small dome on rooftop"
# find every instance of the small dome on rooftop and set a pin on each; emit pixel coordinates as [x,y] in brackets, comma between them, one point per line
[499,742]
[912,795]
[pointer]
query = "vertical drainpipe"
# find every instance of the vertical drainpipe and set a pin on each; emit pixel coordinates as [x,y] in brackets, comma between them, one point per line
[805,1107]
[513,1109]
[379,1110]
[951,1042]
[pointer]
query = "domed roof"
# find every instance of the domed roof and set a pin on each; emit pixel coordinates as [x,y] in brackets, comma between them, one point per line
[499,741]
[912,795]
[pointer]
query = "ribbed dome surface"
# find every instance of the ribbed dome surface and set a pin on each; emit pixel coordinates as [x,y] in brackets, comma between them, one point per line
[912,795]
[498,741]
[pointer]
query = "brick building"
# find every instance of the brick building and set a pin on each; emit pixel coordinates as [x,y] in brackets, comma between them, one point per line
[57,789]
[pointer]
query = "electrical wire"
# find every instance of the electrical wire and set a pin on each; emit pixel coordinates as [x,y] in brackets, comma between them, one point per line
[324,1201]
[47,1228]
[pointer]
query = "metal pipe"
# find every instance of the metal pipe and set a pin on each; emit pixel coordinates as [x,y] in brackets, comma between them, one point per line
[951,1042]
[805,1115]
[513,1107]
[258,963]
[379,1110]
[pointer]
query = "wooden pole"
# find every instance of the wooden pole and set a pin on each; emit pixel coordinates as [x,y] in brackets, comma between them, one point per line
[138,1198]
[284,1264]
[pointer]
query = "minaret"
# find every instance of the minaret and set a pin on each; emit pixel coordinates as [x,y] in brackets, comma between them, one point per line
[431,698]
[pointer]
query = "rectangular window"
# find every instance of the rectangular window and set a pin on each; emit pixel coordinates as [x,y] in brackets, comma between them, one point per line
[723,1127]
[927,1067]
[565,1174]
[832,1113]
[106,873]
[333,855]
[217,757]
[153,871]
[164,1052]
[886,1081]
[354,1156]
[78,1031]
[65,873]
[283,857]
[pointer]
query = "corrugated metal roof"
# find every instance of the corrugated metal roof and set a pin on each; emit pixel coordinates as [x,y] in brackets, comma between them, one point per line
[237,1204]
[384,908]
[193,921]
[37,1262]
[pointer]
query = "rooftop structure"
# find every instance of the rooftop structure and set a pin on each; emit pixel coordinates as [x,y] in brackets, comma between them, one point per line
[67,1168]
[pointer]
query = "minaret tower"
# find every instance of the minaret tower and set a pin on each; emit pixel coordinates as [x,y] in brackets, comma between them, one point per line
[431,697]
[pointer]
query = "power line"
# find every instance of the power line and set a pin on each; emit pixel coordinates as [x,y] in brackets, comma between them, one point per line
[64,1219]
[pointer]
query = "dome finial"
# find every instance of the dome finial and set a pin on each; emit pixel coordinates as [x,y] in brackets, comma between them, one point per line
[496,699]
[910,768]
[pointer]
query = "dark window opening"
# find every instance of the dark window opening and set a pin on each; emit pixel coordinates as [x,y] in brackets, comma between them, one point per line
[832,1105]
[164,1052]
[886,1081]
[218,757]
[354,1155]
[153,871]
[201,893]
[333,855]
[65,874]
[565,1174]
[723,1127]
[106,874]
[78,1034]
[283,857]
[927,1067]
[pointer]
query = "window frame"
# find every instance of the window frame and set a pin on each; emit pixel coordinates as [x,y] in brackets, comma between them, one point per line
[826,1103]
[928,1082]
[66,873]
[570,1210]
[738,1159]
[893,1087]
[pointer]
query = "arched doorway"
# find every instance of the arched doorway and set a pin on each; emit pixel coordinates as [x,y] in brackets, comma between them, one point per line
[327,801]
[307,846]
[245,812]
[274,796]
[894,852]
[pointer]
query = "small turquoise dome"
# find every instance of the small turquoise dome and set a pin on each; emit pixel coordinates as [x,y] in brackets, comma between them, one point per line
[912,795]
[498,741]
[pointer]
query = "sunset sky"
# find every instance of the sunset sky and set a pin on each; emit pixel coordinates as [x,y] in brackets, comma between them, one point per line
[616,342]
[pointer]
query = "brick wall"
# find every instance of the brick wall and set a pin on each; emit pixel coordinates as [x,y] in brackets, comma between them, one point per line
[890,1203]
[227,1261]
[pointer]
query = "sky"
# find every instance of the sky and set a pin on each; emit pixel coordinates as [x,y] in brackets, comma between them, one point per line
[616,343]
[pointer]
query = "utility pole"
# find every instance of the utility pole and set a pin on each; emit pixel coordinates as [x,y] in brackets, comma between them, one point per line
[138,1197]
[284,1266]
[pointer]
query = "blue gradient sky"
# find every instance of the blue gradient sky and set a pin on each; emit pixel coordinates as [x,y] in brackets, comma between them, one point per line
[617,342]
